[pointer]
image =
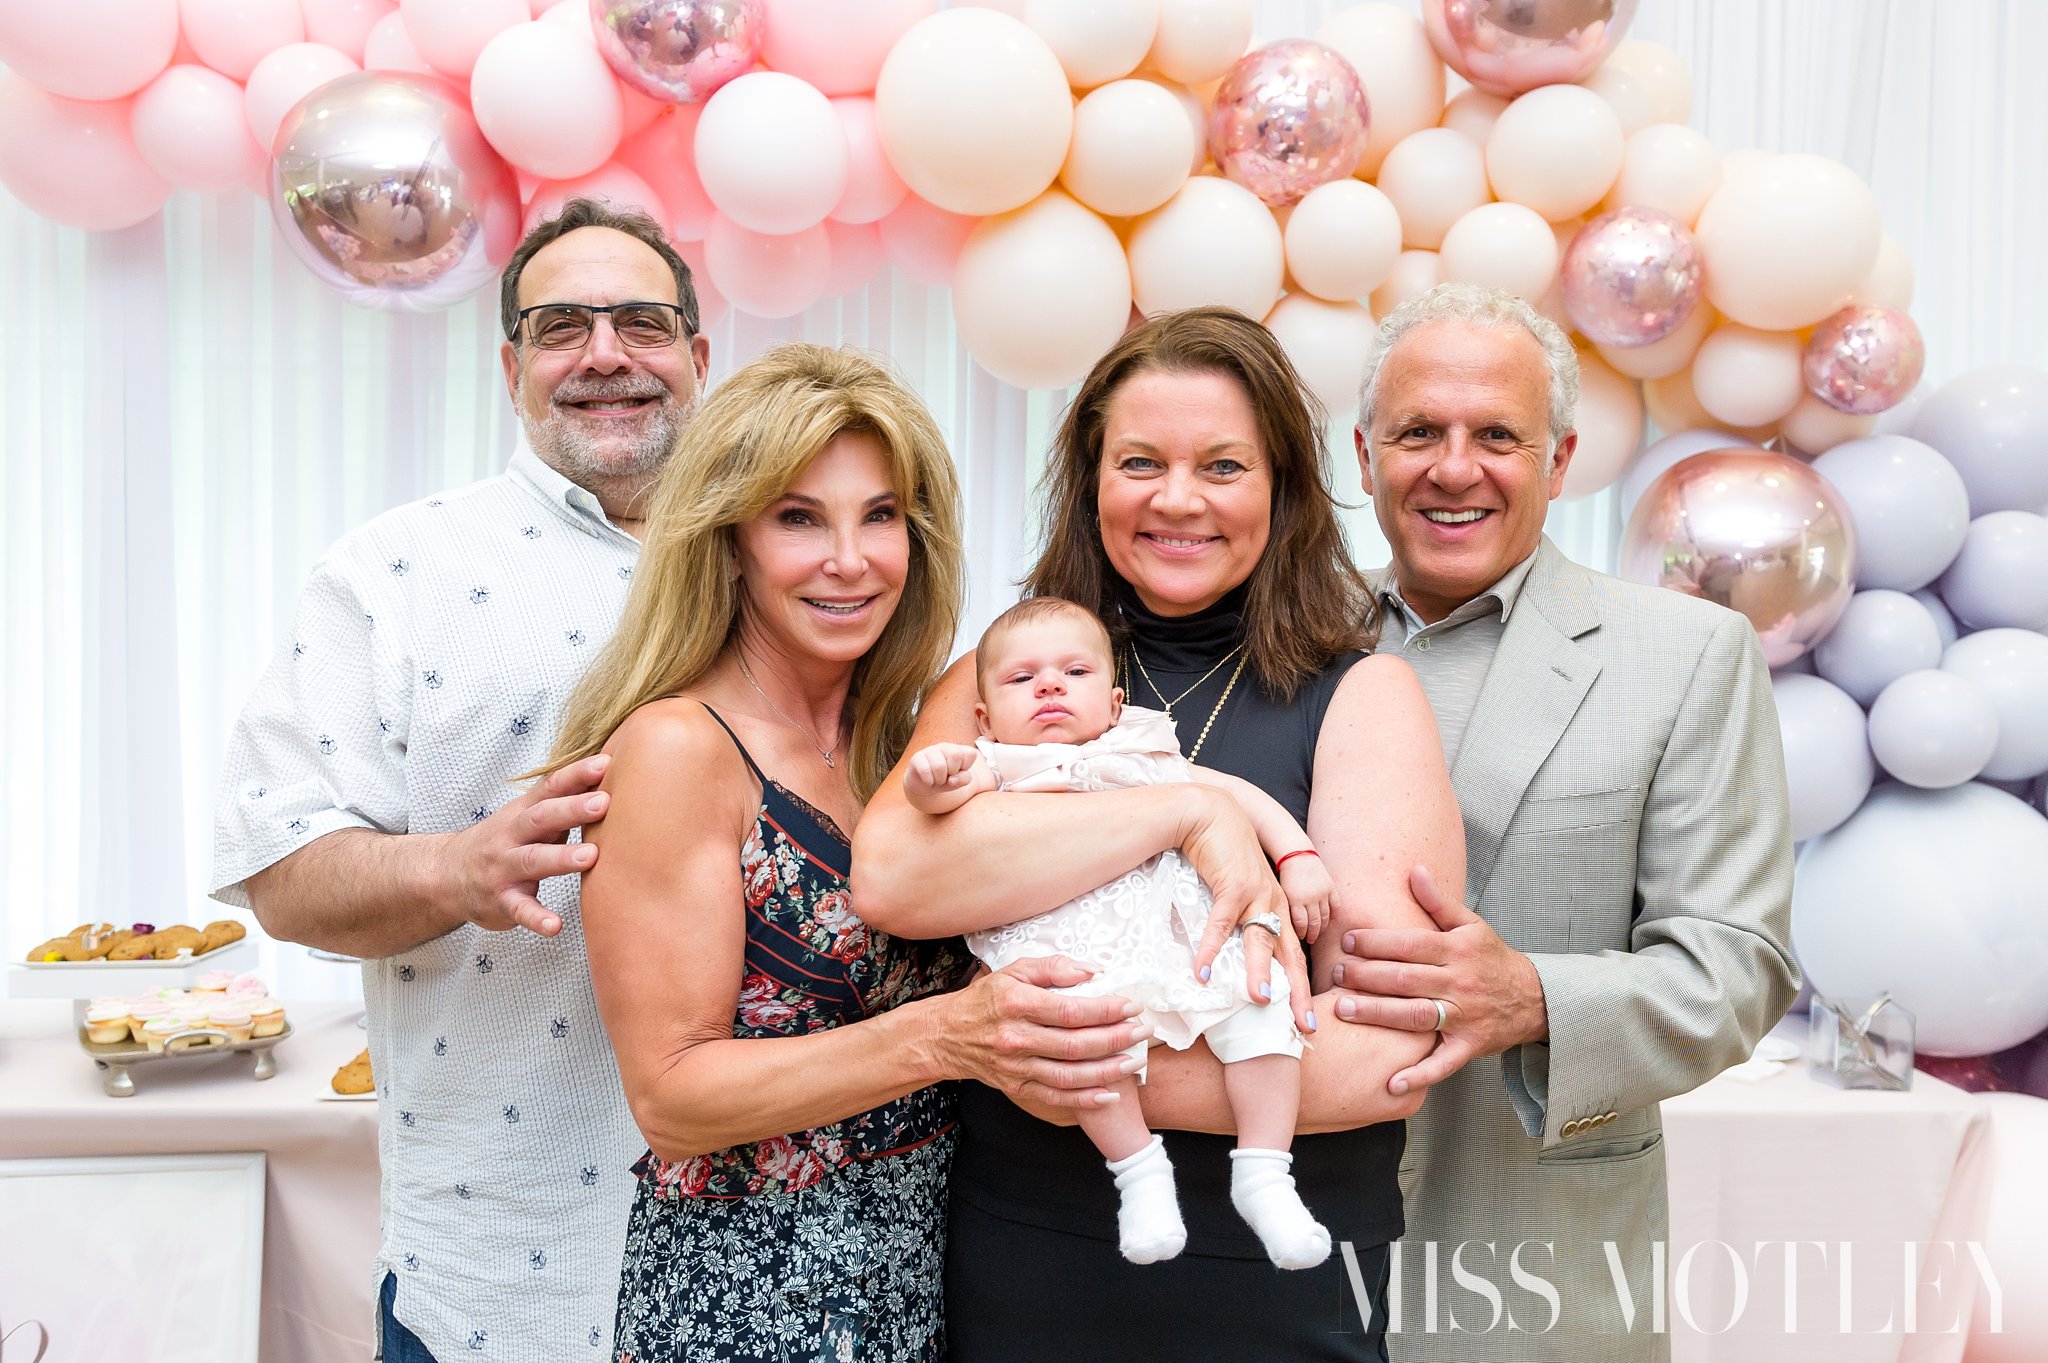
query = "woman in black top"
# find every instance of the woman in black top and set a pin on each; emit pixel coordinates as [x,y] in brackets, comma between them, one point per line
[1187,504]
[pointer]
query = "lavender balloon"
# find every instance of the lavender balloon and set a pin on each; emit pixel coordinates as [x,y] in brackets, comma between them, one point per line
[679,50]
[384,187]
[1631,277]
[1509,47]
[1864,360]
[1288,117]
[1758,532]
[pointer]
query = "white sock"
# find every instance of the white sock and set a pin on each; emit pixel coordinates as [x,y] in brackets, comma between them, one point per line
[1148,1224]
[1262,1190]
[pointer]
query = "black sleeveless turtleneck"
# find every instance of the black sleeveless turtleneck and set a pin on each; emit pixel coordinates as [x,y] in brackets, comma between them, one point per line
[1013,1166]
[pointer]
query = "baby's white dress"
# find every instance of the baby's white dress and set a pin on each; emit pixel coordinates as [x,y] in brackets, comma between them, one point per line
[1139,931]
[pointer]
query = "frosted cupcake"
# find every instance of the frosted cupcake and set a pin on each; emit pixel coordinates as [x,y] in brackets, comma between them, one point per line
[266,1017]
[233,1020]
[213,982]
[159,1030]
[143,1011]
[107,1022]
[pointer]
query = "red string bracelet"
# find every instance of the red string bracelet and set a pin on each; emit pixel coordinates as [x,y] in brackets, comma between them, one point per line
[1302,852]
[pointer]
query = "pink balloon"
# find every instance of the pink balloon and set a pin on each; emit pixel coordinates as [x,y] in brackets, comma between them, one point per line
[924,242]
[768,276]
[452,34]
[1863,360]
[284,78]
[1631,277]
[231,36]
[611,182]
[344,25]
[1757,532]
[712,305]
[1288,117]
[191,125]
[771,153]
[857,256]
[1507,47]
[74,160]
[873,188]
[104,50]
[547,103]
[665,156]
[681,51]
[390,48]
[836,46]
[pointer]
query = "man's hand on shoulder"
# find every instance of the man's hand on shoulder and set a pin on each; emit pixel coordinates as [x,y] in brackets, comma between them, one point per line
[1492,996]
[489,874]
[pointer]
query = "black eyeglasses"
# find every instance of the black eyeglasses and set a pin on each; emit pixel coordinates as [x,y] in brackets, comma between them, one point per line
[567,326]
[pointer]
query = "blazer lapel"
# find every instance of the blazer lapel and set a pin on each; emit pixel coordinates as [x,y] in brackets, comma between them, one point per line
[1537,681]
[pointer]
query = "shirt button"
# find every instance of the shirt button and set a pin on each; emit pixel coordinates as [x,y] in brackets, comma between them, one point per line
[1422,645]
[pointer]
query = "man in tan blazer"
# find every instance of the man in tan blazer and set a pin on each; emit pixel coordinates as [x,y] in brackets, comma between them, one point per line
[1615,753]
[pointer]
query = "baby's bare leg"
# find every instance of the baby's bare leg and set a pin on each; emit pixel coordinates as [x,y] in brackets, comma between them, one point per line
[1265,1097]
[1119,1130]
[1148,1224]
[1265,1093]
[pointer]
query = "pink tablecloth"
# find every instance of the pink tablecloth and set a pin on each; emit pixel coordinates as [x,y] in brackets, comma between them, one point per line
[320,1209]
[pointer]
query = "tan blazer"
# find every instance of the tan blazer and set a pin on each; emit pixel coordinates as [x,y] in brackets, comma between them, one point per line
[1623,790]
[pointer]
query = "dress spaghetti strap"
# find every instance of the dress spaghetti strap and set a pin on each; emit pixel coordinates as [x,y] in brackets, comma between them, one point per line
[745,756]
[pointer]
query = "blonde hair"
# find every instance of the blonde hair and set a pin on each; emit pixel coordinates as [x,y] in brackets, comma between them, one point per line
[753,437]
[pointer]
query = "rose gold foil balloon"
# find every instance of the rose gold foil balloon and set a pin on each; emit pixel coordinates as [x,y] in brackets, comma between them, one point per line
[1288,117]
[384,187]
[1631,277]
[679,50]
[1758,532]
[1507,47]
[1864,360]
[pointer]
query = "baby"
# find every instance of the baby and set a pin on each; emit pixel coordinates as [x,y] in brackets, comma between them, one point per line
[1052,719]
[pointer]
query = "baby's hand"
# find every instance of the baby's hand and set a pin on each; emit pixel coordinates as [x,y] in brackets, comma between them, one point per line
[942,766]
[1311,895]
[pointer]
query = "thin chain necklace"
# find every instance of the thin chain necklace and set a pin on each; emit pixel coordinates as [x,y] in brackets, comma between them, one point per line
[1175,700]
[1221,700]
[823,751]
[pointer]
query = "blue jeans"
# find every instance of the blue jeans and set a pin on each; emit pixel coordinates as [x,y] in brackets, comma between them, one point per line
[398,1344]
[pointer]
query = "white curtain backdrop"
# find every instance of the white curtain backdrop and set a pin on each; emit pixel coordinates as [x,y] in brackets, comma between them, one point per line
[187,419]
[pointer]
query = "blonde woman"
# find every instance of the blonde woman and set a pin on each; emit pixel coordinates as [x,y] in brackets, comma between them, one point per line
[798,589]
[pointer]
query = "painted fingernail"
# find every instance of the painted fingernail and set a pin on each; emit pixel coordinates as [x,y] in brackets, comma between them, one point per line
[1131,1010]
[1130,1064]
[1105,1099]
[1266,992]
[1204,973]
[1142,1032]
[1311,1019]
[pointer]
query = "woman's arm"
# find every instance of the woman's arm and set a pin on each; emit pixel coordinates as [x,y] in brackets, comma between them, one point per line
[666,929]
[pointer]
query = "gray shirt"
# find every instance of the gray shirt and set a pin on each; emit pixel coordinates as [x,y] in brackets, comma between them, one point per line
[1451,657]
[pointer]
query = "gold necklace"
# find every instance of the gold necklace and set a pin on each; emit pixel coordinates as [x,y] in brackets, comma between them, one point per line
[823,751]
[1221,700]
[1169,704]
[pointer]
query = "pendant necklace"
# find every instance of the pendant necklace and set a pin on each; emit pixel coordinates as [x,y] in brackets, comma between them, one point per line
[823,751]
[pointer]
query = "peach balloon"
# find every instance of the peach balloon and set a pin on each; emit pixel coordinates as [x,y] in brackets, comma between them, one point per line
[1414,274]
[1669,167]
[1556,149]
[771,153]
[344,25]
[1743,160]
[1342,240]
[1746,377]
[1787,242]
[1672,404]
[452,34]
[1198,40]
[231,36]
[1661,72]
[1626,95]
[1096,41]
[1890,281]
[1403,80]
[1328,343]
[1502,245]
[610,182]
[837,46]
[664,155]
[390,48]
[74,161]
[1610,426]
[1433,178]
[873,188]
[1212,242]
[974,111]
[1668,356]
[1041,292]
[1473,113]
[1131,148]
[768,276]
[857,256]
[550,107]
[924,240]
[1813,428]
[192,127]
[1197,112]
[284,78]
[105,50]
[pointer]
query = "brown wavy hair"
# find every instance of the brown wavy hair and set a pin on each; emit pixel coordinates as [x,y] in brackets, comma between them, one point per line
[1308,603]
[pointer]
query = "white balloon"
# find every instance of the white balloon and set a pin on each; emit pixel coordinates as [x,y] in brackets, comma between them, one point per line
[1504,246]
[1941,898]
[771,153]
[1881,636]
[1909,505]
[2010,668]
[1342,240]
[1131,148]
[1328,343]
[2000,576]
[1212,242]
[1944,619]
[1932,729]
[1828,768]
[1989,424]
[1556,149]
[1653,461]
[1434,177]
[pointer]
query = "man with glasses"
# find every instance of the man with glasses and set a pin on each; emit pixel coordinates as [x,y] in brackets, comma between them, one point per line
[367,808]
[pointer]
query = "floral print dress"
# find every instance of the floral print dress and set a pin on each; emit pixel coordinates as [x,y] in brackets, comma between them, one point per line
[824,1244]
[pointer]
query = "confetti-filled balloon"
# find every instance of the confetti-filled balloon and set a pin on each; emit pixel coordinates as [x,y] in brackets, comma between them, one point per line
[679,50]
[1631,277]
[1288,117]
[1864,360]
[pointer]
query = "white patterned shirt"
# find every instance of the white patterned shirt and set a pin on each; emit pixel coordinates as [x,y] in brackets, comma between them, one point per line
[434,650]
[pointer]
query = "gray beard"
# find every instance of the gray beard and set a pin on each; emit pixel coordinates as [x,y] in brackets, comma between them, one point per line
[582,460]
